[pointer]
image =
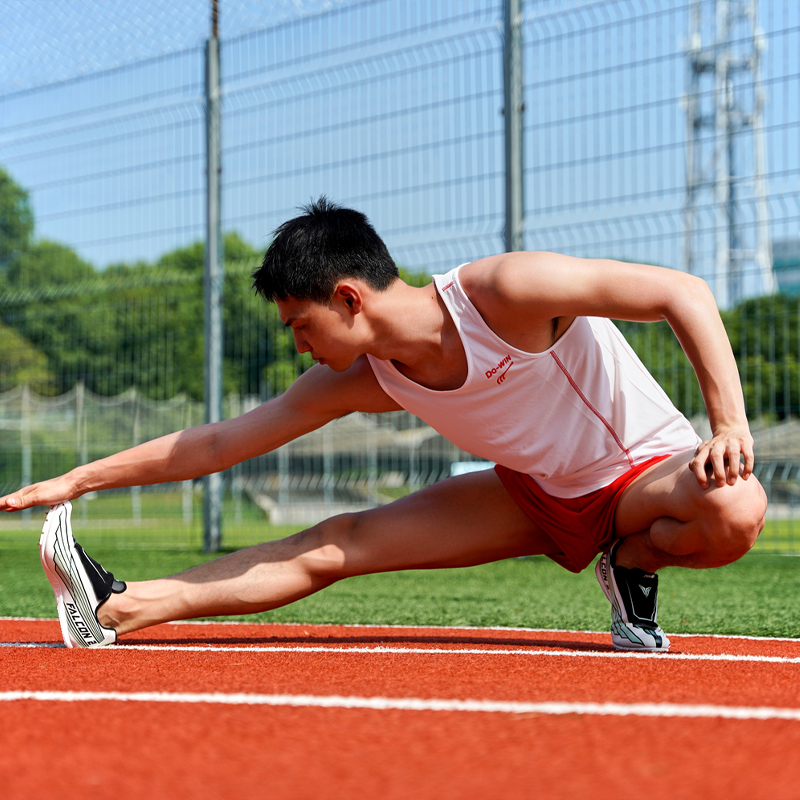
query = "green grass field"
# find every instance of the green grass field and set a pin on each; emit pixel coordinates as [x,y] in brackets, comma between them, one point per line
[756,596]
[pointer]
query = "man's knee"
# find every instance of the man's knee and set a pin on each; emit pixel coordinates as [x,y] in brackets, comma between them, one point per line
[331,547]
[733,517]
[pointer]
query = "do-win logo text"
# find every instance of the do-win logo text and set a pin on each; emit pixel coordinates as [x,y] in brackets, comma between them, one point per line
[502,368]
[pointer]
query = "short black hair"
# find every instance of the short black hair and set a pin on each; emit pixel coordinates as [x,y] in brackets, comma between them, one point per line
[311,253]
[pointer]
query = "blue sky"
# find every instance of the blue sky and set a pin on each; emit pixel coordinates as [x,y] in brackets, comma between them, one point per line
[394,107]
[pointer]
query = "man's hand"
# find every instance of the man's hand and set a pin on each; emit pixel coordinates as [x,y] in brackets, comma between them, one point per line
[46,493]
[720,457]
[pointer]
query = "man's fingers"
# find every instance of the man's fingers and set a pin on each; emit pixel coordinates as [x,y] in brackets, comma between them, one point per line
[749,460]
[733,462]
[721,457]
[698,465]
[10,503]
[718,465]
[28,497]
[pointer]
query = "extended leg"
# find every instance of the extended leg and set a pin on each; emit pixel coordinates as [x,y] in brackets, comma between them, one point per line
[458,522]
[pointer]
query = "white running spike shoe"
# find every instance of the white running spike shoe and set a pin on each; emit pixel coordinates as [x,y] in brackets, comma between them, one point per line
[79,583]
[633,594]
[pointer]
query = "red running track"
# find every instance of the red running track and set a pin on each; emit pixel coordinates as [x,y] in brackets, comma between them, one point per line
[302,711]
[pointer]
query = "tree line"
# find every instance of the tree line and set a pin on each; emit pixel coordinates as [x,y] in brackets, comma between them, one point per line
[141,324]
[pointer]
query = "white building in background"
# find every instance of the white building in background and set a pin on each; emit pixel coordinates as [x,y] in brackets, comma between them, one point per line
[786,265]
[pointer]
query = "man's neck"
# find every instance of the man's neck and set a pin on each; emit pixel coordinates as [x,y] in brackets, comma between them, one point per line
[413,329]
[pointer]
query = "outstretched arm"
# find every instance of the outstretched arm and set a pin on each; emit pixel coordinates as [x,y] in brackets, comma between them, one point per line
[317,397]
[518,288]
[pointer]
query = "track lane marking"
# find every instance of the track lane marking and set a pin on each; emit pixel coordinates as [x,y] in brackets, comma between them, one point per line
[418,704]
[121,648]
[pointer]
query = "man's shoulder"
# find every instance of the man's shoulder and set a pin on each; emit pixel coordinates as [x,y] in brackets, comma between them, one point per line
[506,273]
[507,292]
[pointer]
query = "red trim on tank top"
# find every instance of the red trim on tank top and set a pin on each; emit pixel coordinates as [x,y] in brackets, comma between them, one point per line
[591,407]
[448,285]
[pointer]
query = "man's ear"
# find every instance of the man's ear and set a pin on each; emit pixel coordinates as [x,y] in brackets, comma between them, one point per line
[350,295]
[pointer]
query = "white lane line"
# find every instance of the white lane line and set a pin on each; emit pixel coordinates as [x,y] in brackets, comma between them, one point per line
[432,628]
[33,644]
[418,704]
[472,651]
[121,648]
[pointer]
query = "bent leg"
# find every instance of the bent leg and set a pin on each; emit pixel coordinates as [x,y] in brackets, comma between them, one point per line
[459,522]
[668,519]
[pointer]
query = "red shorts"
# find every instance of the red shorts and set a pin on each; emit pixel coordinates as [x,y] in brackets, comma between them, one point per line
[581,526]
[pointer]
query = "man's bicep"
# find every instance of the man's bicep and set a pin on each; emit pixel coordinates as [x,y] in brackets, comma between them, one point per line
[556,285]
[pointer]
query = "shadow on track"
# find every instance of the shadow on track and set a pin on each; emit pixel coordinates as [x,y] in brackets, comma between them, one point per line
[475,641]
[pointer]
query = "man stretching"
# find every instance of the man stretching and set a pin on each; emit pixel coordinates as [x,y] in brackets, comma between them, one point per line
[513,358]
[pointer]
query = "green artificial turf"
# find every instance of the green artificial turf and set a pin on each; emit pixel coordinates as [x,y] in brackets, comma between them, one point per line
[755,596]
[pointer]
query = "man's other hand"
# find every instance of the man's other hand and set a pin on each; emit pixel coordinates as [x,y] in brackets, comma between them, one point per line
[719,458]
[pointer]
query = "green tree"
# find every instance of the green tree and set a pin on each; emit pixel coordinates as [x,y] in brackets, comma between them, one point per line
[764,334]
[159,318]
[16,221]
[22,364]
[160,322]
[765,338]
[46,265]
[61,318]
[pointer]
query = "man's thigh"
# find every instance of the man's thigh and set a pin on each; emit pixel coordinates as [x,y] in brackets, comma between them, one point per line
[670,489]
[458,522]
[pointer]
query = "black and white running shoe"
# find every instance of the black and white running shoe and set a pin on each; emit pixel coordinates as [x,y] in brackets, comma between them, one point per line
[79,583]
[633,594]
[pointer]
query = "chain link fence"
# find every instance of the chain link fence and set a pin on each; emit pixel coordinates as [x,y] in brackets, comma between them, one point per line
[396,109]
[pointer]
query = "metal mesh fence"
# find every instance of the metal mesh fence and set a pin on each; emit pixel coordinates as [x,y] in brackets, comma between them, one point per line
[396,109]
[352,464]
[50,41]
[390,107]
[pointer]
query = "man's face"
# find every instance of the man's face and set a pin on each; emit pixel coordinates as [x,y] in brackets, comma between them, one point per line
[325,331]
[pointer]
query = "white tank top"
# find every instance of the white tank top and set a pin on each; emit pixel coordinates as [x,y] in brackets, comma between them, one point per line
[573,417]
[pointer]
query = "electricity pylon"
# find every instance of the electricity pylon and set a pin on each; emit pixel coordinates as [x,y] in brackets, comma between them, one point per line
[726,192]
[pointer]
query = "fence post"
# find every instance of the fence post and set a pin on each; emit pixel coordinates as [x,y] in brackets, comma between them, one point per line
[136,491]
[187,498]
[512,86]
[327,469]
[82,441]
[25,438]
[235,410]
[212,285]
